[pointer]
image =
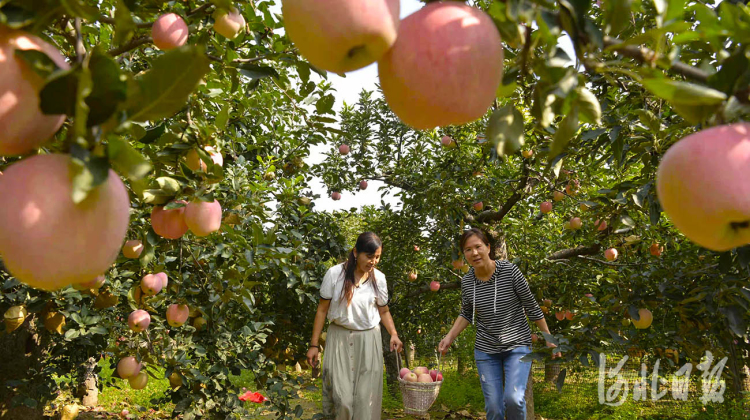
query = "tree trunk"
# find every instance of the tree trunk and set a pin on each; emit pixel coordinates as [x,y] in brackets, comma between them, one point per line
[22,352]
[529,396]
[389,359]
[88,383]
[409,351]
[462,367]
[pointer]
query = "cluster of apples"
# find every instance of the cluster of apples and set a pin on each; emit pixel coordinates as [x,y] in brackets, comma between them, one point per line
[421,374]
[439,66]
[170,31]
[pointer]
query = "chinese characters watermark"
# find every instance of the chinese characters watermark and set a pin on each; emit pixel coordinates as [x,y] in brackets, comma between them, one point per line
[712,387]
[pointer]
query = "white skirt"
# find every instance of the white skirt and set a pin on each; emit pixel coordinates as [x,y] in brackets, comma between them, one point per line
[352,374]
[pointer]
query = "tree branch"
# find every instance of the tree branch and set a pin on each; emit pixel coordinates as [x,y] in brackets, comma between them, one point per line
[644,55]
[609,263]
[111,21]
[490,216]
[133,44]
[574,252]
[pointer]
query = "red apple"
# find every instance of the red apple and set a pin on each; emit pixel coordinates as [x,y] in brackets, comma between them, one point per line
[404,372]
[434,286]
[412,276]
[610,254]
[194,162]
[560,315]
[228,23]
[478,206]
[132,248]
[457,264]
[545,207]
[128,367]
[547,302]
[169,224]
[336,196]
[344,149]
[646,318]
[410,377]
[438,377]
[416,248]
[701,185]
[97,283]
[576,223]
[569,315]
[425,377]
[600,226]
[48,241]
[177,314]
[655,249]
[341,35]
[139,320]
[447,141]
[362,185]
[138,381]
[203,218]
[444,68]
[557,195]
[527,153]
[22,123]
[151,284]
[164,279]
[169,31]
[421,370]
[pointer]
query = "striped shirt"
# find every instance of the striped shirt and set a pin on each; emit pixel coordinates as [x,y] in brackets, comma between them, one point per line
[499,305]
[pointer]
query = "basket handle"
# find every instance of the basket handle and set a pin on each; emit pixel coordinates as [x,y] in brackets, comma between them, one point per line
[398,363]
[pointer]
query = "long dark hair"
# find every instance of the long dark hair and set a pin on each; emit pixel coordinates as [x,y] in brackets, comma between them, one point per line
[367,243]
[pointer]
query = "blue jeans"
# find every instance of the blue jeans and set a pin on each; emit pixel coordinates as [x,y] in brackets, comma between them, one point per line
[496,399]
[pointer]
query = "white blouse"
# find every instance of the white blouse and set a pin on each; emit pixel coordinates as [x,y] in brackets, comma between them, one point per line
[362,313]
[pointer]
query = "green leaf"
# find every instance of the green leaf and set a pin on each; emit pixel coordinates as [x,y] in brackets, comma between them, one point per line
[164,89]
[223,116]
[169,185]
[565,132]
[618,15]
[324,105]
[505,130]
[124,25]
[58,96]
[153,134]
[109,90]
[694,103]
[38,61]
[588,106]
[127,160]
[255,72]
[676,9]
[16,17]
[87,172]
[78,8]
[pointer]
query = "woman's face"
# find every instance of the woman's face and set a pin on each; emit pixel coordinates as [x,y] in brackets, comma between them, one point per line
[366,262]
[476,251]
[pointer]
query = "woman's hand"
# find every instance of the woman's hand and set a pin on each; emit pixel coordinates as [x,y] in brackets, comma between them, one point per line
[445,343]
[396,344]
[555,355]
[313,356]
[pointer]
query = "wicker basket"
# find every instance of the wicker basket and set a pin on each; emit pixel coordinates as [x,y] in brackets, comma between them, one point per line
[418,397]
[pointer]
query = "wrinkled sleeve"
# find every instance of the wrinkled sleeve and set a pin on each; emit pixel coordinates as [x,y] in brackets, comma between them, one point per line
[382,298]
[467,300]
[530,305]
[326,289]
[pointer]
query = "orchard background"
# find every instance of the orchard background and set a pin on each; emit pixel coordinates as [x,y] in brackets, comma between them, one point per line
[237,115]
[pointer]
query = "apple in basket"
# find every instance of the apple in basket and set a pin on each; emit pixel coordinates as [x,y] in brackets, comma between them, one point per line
[410,377]
[425,377]
[421,371]
[403,372]
[436,375]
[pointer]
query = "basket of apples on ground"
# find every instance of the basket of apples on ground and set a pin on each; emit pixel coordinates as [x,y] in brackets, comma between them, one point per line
[419,388]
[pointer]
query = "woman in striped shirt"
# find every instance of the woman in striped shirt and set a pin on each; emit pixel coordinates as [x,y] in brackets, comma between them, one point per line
[495,297]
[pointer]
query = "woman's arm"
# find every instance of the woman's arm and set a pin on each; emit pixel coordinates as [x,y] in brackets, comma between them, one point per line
[458,326]
[387,320]
[313,353]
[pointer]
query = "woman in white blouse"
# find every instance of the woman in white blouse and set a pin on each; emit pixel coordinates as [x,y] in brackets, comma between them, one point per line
[354,298]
